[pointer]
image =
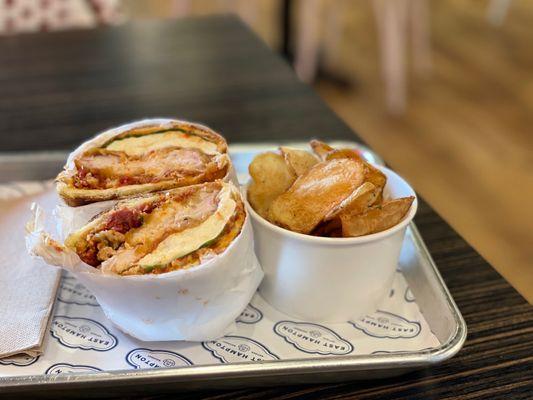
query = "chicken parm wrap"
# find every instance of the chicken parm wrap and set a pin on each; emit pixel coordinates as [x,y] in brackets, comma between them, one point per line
[162,232]
[143,157]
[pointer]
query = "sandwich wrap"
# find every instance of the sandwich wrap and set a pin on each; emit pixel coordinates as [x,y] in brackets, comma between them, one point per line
[196,303]
[141,157]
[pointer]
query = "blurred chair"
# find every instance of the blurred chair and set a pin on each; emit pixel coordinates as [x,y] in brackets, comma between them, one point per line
[497,11]
[395,18]
[247,10]
[20,16]
[180,8]
[310,13]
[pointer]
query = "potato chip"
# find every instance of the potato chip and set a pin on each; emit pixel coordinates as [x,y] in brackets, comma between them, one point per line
[326,152]
[344,153]
[357,202]
[377,178]
[331,228]
[314,194]
[270,177]
[373,175]
[300,161]
[321,149]
[377,218]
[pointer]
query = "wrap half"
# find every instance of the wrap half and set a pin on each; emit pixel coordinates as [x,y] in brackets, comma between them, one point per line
[142,157]
[172,265]
[162,232]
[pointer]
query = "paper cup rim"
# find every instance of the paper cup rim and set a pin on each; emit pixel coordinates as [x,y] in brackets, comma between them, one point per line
[373,237]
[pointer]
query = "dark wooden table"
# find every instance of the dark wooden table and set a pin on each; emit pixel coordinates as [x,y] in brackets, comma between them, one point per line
[59,88]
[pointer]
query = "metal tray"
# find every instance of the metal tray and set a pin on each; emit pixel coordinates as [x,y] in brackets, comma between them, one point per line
[419,270]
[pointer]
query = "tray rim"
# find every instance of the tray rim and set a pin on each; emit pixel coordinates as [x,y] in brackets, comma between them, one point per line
[264,369]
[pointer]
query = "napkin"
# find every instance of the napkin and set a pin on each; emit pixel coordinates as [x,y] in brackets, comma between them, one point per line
[27,286]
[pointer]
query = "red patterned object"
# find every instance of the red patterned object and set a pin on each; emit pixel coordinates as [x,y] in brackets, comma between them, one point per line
[19,16]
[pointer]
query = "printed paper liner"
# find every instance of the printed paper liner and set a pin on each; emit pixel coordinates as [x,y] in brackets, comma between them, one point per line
[82,339]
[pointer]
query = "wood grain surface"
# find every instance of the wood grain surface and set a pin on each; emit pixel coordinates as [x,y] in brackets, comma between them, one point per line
[60,88]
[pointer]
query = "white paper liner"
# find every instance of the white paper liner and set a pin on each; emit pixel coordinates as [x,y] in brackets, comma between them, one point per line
[199,303]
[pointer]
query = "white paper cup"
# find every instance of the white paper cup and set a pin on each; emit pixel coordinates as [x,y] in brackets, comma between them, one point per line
[330,279]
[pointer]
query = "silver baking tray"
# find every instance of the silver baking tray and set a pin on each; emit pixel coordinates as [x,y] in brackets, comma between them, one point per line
[439,311]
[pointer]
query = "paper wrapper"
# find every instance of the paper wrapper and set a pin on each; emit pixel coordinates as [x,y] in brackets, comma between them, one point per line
[195,304]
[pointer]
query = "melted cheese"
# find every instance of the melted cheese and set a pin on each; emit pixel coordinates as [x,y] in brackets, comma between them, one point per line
[138,145]
[189,240]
